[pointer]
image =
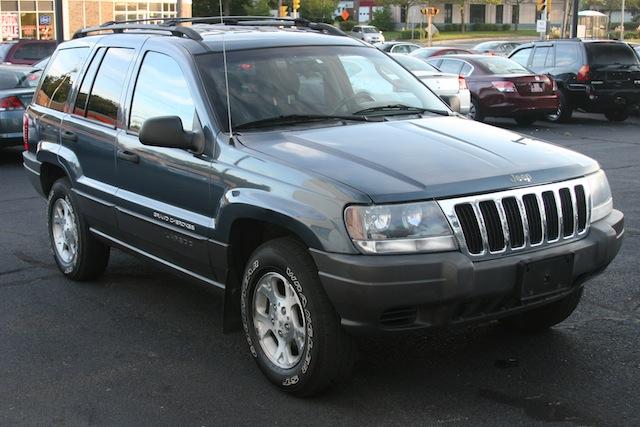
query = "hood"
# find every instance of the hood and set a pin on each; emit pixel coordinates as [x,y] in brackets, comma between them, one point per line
[421,159]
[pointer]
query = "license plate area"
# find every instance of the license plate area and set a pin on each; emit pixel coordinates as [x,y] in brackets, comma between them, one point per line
[545,277]
[537,87]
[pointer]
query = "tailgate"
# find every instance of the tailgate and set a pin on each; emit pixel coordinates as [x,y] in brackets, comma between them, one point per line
[616,77]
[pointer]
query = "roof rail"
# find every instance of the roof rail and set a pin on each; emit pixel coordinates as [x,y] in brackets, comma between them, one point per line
[122,26]
[266,21]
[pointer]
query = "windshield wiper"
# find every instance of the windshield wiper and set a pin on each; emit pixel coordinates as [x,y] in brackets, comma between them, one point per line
[297,118]
[398,109]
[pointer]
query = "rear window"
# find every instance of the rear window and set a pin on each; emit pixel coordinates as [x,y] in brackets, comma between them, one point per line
[501,65]
[61,74]
[414,64]
[610,54]
[33,51]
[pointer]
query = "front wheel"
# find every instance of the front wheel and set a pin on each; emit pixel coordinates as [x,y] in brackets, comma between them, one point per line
[617,115]
[292,329]
[542,318]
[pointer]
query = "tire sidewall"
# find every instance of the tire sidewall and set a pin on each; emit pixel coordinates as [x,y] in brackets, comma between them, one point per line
[263,262]
[62,190]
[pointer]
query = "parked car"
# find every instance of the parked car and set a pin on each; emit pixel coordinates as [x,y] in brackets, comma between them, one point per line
[25,51]
[594,76]
[17,84]
[428,52]
[259,162]
[398,47]
[452,88]
[501,87]
[368,33]
[501,48]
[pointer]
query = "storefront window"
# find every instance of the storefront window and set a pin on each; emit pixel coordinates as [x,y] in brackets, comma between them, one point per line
[9,6]
[45,5]
[28,25]
[28,5]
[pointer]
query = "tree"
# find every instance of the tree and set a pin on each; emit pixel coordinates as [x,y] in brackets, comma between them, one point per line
[382,19]
[259,8]
[318,10]
[212,7]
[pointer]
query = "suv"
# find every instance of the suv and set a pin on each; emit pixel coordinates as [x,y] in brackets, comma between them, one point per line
[368,33]
[337,195]
[25,52]
[592,75]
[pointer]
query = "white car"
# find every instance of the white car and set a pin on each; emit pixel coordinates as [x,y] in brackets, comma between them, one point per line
[450,87]
[368,33]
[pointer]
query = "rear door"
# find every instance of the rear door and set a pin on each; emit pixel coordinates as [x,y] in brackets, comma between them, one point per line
[164,203]
[89,131]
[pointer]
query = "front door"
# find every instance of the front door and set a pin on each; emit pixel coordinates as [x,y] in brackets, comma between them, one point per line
[163,196]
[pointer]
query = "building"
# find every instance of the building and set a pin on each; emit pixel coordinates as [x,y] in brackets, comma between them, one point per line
[35,19]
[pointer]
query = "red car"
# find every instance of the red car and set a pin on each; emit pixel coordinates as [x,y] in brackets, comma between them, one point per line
[429,52]
[500,87]
[25,52]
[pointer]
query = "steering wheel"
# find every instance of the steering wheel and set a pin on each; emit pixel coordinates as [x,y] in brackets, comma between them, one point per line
[361,96]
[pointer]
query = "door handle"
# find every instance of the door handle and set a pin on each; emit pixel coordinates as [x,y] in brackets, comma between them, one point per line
[128,156]
[69,136]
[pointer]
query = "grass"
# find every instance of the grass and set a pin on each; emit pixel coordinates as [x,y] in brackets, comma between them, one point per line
[458,35]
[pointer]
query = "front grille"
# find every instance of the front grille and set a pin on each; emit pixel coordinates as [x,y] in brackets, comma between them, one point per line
[508,221]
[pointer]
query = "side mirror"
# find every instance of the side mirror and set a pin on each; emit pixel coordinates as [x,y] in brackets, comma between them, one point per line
[166,131]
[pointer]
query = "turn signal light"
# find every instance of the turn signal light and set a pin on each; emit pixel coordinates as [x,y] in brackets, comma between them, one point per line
[583,74]
[11,103]
[504,86]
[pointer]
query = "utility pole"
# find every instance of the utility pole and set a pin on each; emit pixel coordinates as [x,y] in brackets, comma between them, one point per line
[574,19]
[57,7]
[622,23]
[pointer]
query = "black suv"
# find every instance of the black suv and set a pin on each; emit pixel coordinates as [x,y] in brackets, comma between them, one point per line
[594,76]
[325,189]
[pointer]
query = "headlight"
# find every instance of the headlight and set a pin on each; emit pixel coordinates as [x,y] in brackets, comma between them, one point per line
[601,201]
[406,228]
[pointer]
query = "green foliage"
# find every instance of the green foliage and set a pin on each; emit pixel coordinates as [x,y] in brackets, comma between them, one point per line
[346,25]
[484,27]
[212,7]
[383,19]
[318,10]
[406,34]
[258,8]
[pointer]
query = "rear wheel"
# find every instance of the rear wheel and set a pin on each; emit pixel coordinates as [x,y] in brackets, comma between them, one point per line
[619,115]
[474,111]
[542,318]
[564,112]
[77,253]
[291,327]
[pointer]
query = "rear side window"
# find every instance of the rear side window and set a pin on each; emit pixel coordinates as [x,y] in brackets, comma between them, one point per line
[610,53]
[522,56]
[567,54]
[80,107]
[104,99]
[540,56]
[61,74]
[451,66]
[161,90]
[466,70]
[33,51]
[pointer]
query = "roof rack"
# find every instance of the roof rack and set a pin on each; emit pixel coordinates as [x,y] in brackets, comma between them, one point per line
[122,26]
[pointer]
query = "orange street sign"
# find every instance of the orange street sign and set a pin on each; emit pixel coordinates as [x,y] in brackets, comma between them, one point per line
[345,15]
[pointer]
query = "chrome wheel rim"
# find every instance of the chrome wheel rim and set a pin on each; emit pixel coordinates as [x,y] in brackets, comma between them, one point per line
[64,231]
[555,116]
[278,320]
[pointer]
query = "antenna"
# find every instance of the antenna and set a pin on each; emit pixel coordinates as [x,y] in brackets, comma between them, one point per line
[226,77]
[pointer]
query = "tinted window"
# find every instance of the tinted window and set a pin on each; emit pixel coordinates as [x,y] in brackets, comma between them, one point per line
[610,53]
[61,75]
[107,87]
[522,56]
[466,70]
[33,51]
[85,87]
[567,54]
[451,66]
[540,56]
[161,90]
[401,48]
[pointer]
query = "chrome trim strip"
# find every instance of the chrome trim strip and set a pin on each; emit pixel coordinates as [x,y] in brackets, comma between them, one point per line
[33,171]
[448,207]
[157,259]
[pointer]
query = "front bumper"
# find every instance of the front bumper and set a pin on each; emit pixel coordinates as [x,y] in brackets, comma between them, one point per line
[404,292]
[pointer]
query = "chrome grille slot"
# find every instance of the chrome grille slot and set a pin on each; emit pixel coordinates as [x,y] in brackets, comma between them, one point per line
[490,225]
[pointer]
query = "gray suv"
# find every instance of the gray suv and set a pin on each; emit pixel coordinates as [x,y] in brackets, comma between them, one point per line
[314,180]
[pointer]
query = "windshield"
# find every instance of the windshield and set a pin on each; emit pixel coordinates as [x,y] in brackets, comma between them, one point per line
[501,65]
[370,30]
[610,54]
[414,64]
[311,81]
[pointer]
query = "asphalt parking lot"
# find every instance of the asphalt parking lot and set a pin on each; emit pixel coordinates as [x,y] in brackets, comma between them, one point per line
[140,347]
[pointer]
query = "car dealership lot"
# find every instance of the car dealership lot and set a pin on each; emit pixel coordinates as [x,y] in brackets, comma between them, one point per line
[140,347]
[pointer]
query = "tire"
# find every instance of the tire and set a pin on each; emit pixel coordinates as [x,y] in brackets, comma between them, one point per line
[542,318]
[564,112]
[316,352]
[617,115]
[475,113]
[78,254]
[525,120]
